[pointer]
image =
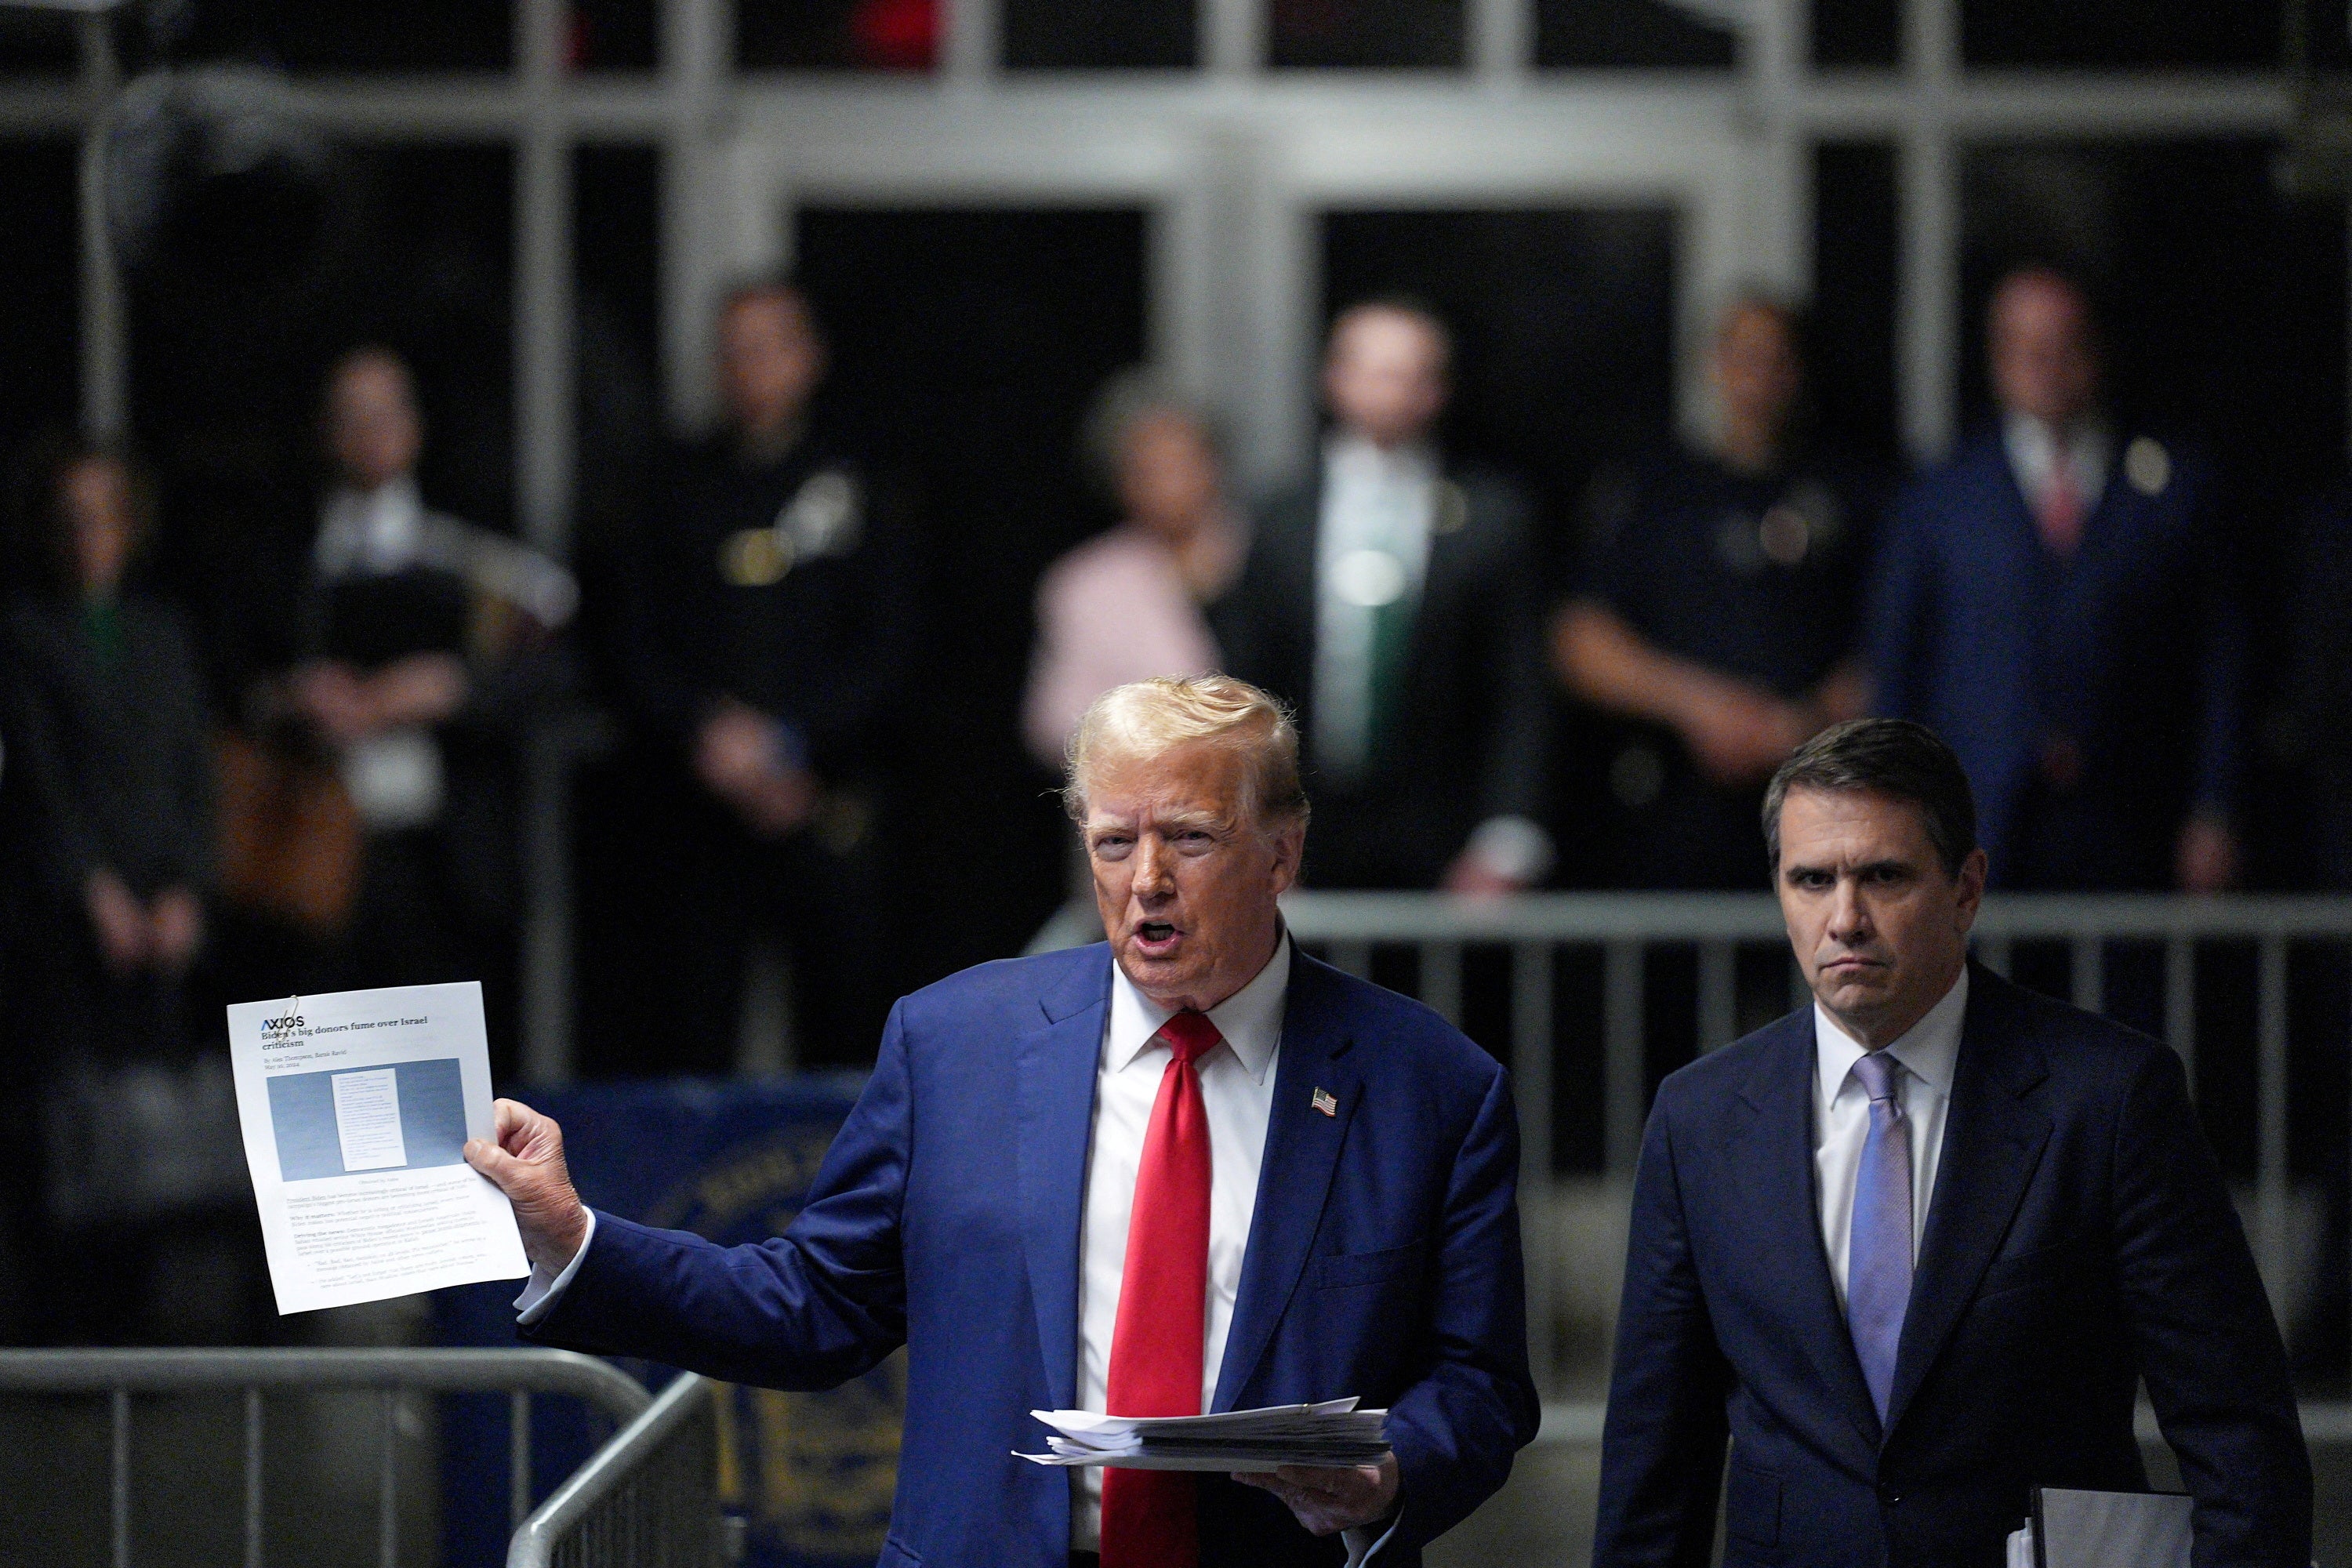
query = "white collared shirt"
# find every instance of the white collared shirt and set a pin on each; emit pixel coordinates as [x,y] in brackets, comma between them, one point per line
[1237,1091]
[1371,548]
[2033,447]
[1928,1052]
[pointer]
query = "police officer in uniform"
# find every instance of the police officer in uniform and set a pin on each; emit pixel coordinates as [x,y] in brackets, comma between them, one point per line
[764,635]
[1718,615]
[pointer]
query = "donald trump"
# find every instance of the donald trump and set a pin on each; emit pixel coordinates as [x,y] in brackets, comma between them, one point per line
[1189,1168]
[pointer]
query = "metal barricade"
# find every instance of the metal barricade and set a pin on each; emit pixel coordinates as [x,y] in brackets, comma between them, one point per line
[121,1373]
[649,1499]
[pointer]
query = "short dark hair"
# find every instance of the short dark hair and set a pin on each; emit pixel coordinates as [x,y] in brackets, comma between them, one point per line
[1891,757]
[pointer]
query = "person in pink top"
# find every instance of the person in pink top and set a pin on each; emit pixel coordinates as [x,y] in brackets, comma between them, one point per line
[1127,605]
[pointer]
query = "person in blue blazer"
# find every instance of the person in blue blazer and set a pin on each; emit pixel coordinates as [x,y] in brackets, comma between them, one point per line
[1912,1249]
[1189,1168]
[2052,601]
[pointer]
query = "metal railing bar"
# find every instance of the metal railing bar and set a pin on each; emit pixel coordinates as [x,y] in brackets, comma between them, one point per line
[609,1468]
[517,1459]
[599,1383]
[1531,1064]
[1440,979]
[2271,1125]
[122,1478]
[2088,965]
[2180,1005]
[387,1496]
[1622,1057]
[252,1478]
[1718,965]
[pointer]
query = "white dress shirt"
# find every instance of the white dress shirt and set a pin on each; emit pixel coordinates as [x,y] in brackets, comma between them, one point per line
[1371,549]
[1842,1115]
[1237,1092]
[2033,451]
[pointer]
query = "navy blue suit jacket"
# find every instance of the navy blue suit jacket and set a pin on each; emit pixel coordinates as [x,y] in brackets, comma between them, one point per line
[2132,652]
[2079,1239]
[1383,1261]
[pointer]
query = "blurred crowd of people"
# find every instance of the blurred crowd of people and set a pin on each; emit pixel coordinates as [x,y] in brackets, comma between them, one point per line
[337,802]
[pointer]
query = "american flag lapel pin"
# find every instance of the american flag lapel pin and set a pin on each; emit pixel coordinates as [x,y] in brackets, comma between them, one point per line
[1325,1102]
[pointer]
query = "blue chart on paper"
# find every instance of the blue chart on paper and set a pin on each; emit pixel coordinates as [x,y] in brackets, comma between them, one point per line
[431,1126]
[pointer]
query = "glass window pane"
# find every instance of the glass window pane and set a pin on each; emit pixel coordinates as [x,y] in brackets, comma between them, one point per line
[838,34]
[1572,34]
[615,35]
[1097,35]
[1365,33]
[40,256]
[1857,33]
[1851,346]
[2242,33]
[37,43]
[352,34]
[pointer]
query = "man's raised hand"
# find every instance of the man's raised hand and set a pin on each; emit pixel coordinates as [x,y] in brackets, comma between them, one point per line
[527,1162]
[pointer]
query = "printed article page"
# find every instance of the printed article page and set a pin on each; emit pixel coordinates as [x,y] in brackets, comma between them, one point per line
[356,1107]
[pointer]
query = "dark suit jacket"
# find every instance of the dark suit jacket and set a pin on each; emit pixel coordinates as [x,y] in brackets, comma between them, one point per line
[109,756]
[1383,1261]
[2133,652]
[1468,740]
[2079,1239]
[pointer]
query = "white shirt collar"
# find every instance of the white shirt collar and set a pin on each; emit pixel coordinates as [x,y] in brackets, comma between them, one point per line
[377,530]
[1354,460]
[1250,1019]
[1928,1050]
[2033,450]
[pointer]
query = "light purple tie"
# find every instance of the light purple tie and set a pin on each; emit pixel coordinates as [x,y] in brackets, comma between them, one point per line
[1878,1250]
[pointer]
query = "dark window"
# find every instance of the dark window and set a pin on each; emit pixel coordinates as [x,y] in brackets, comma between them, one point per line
[37,43]
[2241,33]
[1588,32]
[40,256]
[1101,35]
[1857,33]
[1851,348]
[616,35]
[838,34]
[351,35]
[1427,33]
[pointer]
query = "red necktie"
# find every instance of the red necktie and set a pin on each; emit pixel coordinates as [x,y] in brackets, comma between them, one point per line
[1156,1346]
[2062,507]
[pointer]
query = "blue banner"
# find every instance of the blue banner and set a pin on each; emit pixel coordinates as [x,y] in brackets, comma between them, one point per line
[811,1473]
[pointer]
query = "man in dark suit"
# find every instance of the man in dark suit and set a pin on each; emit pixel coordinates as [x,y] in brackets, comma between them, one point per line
[1391,599]
[767,622]
[2053,603]
[1193,1169]
[1913,1250]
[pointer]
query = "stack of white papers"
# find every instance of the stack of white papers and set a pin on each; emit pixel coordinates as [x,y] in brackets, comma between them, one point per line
[1332,1433]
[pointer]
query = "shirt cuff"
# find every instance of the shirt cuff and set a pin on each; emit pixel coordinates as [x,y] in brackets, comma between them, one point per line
[541,1291]
[1513,847]
[1363,1545]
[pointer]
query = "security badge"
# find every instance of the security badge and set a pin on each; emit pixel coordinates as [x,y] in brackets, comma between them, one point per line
[1327,1102]
[826,516]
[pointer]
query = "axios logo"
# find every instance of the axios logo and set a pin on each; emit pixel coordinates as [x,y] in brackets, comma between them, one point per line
[292,1021]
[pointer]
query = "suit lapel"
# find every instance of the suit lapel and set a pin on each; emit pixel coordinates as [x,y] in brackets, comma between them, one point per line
[1056,1067]
[1302,1150]
[1992,1144]
[1777,1169]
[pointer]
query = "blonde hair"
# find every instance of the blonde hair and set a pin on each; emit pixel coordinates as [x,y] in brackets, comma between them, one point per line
[1145,718]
